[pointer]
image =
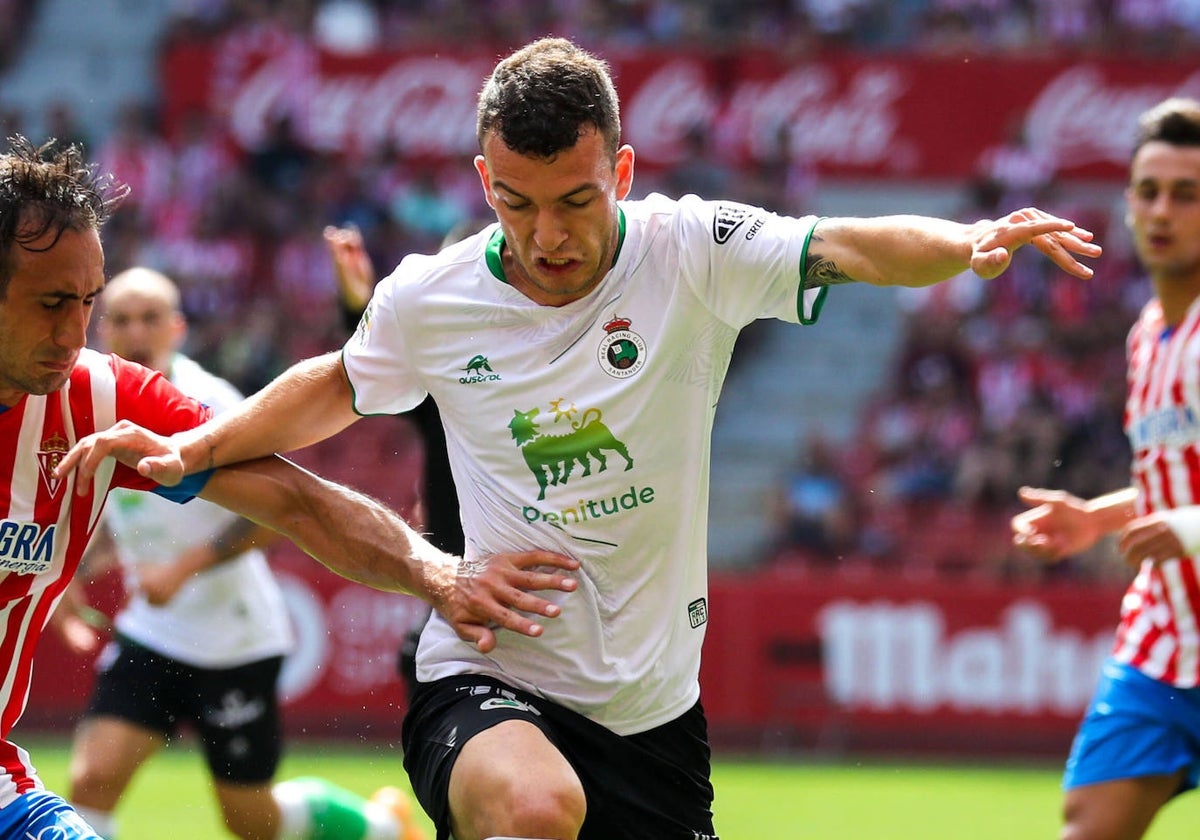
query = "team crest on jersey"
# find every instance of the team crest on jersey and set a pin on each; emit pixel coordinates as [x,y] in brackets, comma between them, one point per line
[622,352]
[53,449]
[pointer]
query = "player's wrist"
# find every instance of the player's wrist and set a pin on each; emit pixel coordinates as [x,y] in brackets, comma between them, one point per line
[1185,522]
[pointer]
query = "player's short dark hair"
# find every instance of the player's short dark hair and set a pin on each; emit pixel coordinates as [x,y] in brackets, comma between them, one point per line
[542,97]
[1175,121]
[48,190]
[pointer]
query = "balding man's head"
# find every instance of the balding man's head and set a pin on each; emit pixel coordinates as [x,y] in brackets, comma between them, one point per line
[141,319]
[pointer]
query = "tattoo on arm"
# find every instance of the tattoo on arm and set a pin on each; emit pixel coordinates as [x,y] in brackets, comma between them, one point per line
[819,271]
[212,453]
[232,541]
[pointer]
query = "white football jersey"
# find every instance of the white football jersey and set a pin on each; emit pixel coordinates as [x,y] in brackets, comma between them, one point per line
[585,429]
[225,616]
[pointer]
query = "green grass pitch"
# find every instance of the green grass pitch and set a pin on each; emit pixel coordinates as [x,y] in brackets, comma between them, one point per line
[756,800]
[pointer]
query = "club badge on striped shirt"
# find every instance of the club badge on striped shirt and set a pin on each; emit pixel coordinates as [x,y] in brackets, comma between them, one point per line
[52,451]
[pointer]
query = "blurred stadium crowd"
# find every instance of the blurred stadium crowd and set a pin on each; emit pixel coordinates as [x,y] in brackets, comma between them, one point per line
[995,385]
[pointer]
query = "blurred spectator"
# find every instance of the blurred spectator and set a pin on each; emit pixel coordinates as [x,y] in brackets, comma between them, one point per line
[700,169]
[137,155]
[814,509]
[62,124]
[1022,175]
[346,26]
[16,15]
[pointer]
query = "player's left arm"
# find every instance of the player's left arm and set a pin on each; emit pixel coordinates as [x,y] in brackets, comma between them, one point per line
[352,534]
[160,582]
[921,250]
[362,540]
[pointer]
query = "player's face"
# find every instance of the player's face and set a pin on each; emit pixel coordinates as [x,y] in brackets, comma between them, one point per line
[559,216]
[141,325]
[44,314]
[1163,199]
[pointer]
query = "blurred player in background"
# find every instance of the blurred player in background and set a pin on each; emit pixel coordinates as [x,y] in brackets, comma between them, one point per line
[576,351]
[201,640]
[1139,742]
[54,391]
[439,512]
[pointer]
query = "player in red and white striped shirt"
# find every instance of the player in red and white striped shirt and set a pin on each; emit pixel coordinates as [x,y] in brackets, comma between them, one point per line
[1139,744]
[53,391]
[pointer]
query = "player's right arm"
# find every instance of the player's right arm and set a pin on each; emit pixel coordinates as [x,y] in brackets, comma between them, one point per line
[309,402]
[1059,524]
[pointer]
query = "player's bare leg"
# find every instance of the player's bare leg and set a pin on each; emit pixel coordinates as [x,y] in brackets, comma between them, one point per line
[106,754]
[1118,810]
[509,780]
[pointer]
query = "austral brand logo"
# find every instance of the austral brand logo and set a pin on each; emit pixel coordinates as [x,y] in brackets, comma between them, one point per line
[53,449]
[728,219]
[622,352]
[552,458]
[478,370]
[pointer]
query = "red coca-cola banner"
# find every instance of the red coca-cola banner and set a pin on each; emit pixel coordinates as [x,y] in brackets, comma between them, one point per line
[792,662]
[850,115]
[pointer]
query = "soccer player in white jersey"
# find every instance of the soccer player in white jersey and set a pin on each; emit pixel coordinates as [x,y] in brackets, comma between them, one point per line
[576,351]
[1139,742]
[54,391]
[201,639]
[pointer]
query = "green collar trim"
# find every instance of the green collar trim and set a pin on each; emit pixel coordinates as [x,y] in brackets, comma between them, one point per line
[495,247]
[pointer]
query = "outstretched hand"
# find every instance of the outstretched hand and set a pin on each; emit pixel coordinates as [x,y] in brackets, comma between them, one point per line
[495,593]
[1055,526]
[994,242]
[152,455]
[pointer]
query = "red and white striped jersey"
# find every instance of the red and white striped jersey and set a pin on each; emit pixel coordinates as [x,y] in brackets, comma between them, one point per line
[45,526]
[1158,631]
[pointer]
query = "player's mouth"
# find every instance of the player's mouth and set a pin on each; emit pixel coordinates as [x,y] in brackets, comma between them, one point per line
[59,367]
[556,264]
[1159,241]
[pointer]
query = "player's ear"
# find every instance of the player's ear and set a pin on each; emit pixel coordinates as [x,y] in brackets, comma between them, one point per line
[624,171]
[179,328]
[485,179]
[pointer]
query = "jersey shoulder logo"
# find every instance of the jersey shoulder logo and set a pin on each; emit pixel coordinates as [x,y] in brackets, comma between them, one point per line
[622,352]
[552,458]
[728,219]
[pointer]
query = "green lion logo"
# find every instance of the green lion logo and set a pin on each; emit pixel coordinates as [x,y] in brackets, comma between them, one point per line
[552,458]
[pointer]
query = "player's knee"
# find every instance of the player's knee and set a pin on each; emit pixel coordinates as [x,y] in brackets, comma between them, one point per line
[92,783]
[557,812]
[248,824]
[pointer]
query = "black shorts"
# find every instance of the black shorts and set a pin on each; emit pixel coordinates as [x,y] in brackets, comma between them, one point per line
[654,785]
[234,711]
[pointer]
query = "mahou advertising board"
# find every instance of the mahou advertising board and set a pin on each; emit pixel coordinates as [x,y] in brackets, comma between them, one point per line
[850,115]
[837,663]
